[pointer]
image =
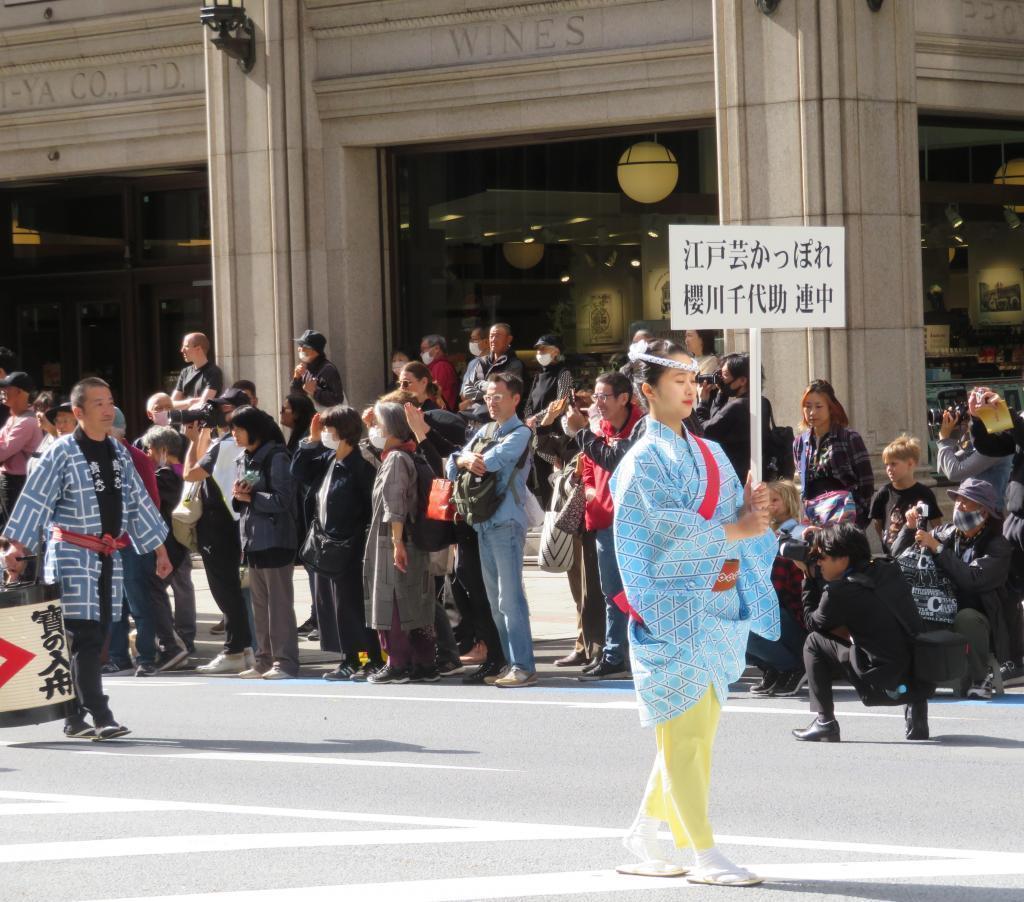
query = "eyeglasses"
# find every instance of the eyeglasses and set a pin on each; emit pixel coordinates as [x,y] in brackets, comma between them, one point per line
[497,399]
[601,396]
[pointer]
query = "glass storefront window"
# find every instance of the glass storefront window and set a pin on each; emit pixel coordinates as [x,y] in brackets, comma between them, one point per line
[972,258]
[51,231]
[175,225]
[542,237]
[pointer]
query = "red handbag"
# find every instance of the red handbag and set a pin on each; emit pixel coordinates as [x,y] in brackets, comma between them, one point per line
[441,503]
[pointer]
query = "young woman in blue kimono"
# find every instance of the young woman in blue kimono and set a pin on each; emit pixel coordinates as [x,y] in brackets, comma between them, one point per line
[695,552]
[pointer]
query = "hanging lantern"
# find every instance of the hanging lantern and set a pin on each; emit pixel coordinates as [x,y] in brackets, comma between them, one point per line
[1011,173]
[522,254]
[648,172]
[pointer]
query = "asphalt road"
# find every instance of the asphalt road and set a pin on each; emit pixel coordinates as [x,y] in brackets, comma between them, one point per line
[234,790]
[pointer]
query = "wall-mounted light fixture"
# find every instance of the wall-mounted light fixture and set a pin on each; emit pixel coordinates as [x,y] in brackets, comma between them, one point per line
[235,33]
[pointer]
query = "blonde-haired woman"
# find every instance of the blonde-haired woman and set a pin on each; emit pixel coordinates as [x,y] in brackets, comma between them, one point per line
[781,662]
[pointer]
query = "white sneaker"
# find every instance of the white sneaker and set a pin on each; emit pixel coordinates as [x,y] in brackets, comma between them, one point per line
[276,673]
[225,663]
[251,674]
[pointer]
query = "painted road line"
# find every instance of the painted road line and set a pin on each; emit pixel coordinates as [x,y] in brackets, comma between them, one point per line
[606,706]
[592,883]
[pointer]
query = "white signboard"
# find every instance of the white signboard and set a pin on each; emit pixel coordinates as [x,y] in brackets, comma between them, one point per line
[757,277]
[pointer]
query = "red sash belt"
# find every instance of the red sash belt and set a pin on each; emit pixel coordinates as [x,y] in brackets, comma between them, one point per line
[105,544]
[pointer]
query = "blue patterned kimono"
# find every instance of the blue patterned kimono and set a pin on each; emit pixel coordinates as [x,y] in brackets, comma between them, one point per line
[60,491]
[670,558]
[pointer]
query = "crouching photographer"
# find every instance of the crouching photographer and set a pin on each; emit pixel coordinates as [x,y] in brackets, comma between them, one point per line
[975,558]
[862,620]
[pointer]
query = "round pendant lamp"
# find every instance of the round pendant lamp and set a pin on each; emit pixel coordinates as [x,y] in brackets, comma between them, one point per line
[1011,173]
[522,254]
[647,172]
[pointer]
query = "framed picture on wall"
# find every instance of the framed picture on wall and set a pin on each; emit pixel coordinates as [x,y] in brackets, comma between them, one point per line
[600,323]
[999,296]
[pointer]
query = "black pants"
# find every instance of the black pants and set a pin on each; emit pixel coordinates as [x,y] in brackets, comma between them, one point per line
[827,659]
[221,550]
[86,641]
[471,593]
[10,489]
[341,615]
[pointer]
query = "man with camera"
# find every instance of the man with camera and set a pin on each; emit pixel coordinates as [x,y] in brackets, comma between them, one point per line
[724,410]
[862,619]
[957,459]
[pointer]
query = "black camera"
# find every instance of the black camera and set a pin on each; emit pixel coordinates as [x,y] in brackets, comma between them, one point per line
[958,411]
[797,550]
[207,416]
[711,379]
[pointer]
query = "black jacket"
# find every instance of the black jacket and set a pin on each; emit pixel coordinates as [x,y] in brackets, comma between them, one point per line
[349,505]
[875,604]
[980,584]
[727,421]
[328,390]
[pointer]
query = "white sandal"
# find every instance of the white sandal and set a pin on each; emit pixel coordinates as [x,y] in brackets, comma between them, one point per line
[724,877]
[652,868]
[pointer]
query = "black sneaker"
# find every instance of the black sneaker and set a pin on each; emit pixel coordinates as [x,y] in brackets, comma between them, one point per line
[450,668]
[477,675]
[313,635]
[171,658]
[1013,674]
[110,731]
[605,670]
[307,627]
[768,680]
[593,665]
[388,674]
[424,673]
[112,667]
[788,685]
[146,670]
[365,672]
[342,673]
[78,729]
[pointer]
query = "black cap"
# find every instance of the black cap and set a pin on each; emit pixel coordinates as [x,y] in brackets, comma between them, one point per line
[51,414]
[20,380]
[235,397]
[551,340]
[312,339]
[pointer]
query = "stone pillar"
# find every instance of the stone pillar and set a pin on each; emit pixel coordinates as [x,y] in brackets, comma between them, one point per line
[257,155]
[817,125]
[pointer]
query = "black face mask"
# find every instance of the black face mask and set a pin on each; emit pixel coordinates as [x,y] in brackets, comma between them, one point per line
[725,391]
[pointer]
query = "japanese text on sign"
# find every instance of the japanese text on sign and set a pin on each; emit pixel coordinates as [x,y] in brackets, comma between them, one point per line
[768,277]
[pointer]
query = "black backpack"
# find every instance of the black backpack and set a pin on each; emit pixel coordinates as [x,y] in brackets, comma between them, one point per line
[477,498]
[777,447]
[427,534]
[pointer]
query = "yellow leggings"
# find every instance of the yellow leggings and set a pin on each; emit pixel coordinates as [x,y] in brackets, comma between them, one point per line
[680,781]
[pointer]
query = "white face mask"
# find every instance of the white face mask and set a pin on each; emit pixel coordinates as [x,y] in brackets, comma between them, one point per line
[565,425]
[330,440]
[475,349]
[545,359]
[377,438]
[161,417]
[305,356]
[397,367]
[426,357]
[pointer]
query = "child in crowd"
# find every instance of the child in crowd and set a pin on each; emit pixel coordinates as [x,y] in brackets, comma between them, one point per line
[891,502]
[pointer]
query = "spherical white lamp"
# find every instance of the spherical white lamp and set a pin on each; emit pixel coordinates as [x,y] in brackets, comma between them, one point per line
[1011,173]
[523,255]
[648,172]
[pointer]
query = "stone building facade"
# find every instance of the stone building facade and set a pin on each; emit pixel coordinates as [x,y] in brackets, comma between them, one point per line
[808,115]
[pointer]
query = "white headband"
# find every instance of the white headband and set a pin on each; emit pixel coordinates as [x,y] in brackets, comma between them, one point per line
[638,351]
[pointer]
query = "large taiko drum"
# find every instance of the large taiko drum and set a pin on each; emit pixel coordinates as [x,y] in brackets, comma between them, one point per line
[35,661]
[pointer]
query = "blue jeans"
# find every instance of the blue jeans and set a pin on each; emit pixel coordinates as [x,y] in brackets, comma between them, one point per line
[616,638]
[786,654]
[501,559]
[140,603]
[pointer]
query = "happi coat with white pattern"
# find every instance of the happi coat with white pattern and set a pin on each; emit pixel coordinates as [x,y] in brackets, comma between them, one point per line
[60,492]
[693,628]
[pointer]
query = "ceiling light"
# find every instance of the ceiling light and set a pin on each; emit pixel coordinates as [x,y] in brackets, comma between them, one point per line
[576,220]
[634,262]
[565,278]
[953,216]
[647,172]
[450,217]
[404,225]
[653,233]
[960,241]
[529,239]
[611,259]
[1011,217]
[536,228]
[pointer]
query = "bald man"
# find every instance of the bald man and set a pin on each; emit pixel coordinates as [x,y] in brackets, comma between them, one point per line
[201,380]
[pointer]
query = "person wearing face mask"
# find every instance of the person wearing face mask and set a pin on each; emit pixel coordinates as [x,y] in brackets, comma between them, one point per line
[398,361]
[553,382]
[340,482]
[434,354]
[478,348]
[973,553]
[315,374]
[158,413]
[725,415]
[297,413]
